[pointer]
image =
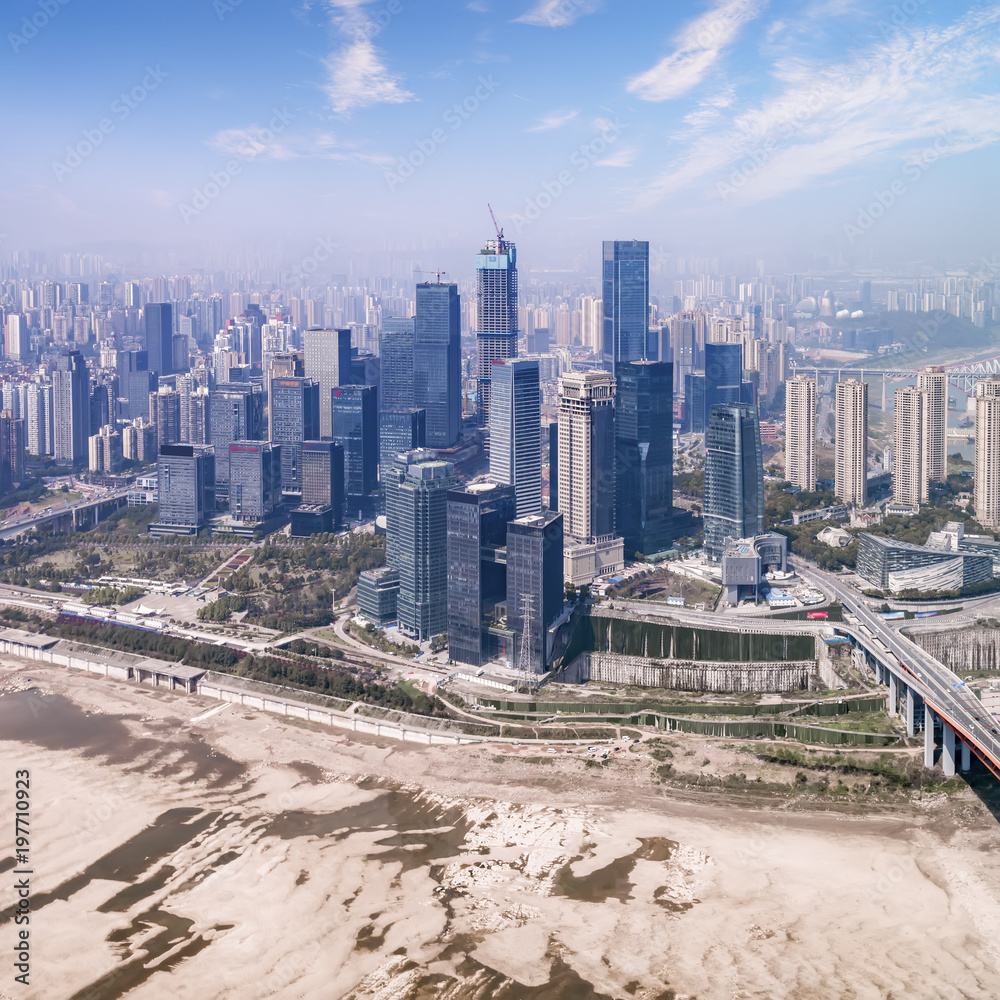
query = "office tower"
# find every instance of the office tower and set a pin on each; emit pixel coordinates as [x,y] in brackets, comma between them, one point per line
[933,382]
[159,337]
[135,382]
[644,457]
[534,571]
[185,477]
[416,510]
[987,454]
[17,345]
[236,413]
[71,408]
[181,352]
[328,363]
[437,362]
[106,451]
[165,415]
[322,507]
[293,418]
[554,465]
[587,476]
[626,301]
[516,431]
[378,595]
[478,513]
[496,315]
[800,432]
[38,419]
[734,477]
[254,480]
[909,476]
[355,427]
[400,430]
[395,351]
[723,376]
[12,446]
[851,461]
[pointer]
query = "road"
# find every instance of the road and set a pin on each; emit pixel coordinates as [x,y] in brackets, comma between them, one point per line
[17,525]
[943,690]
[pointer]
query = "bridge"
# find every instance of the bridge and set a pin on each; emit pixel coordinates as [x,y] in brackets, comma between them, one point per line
[963,377]
[82,515]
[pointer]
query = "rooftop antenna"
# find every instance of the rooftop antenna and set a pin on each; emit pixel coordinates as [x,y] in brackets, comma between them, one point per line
[417,270]
[496,226]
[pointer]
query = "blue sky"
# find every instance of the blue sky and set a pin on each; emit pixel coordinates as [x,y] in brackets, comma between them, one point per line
[741,125]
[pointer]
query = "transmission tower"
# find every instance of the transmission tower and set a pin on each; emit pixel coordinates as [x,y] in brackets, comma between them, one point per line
[524,663]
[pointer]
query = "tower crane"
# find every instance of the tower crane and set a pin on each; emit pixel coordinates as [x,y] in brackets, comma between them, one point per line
[417,270]
[496,226]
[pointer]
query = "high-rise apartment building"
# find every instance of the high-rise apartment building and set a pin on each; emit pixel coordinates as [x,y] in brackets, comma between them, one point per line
[165,415]
[328,363]
[496,315]
[587,476]
[933,382]
[644,455]
[17,345]
[236,414]
[71,409]
[437,362]
[106,451]
[12,447]
[38,418]
[734,476]
[159,337]
[135,383]
[293,405]
[851,437]
[626,301]
[800,432]
[416,508]
[987,455]
[516,430]
[909,475]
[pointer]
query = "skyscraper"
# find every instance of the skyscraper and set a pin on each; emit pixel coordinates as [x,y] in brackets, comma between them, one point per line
[626,301]
[587,475]
[437,362]
[851,462]
[294,418]
[18,341]
[355,427]
[933,382]
[535,571]
[322,507]
[909,476]
[800,432]
[416,540]
[237,414]
[159,334]
[254,480]
[723,375]
[395,350]
[734,477]
[496,315]
[478,514]
[39,419]
[400,430]
[516,430]
[987,455]
[71,409]
[644,459]
[165,415]
[186,489]
[12,448]
[328,362]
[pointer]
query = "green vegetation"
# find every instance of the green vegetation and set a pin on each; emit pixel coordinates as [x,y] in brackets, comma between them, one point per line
[371,636]
[222,609]
[690,484]
[658,585]
[111,595]
[304,648]
[439,643]
[779,504]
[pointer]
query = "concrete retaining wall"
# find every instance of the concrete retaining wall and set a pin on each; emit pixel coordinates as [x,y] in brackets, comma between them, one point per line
[968,649]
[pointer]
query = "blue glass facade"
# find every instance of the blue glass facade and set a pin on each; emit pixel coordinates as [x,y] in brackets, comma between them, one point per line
[437,362]
[626,301]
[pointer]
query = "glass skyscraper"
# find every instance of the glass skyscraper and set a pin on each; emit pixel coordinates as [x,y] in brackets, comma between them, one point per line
[395,350]
[185,488]
[328,362]
[496,315]
[723,375]
[237,414]
[644,460]
[159,331]
[437,362]
[734,477]
[355,427]
[516,430]
[294,418]
[626,301]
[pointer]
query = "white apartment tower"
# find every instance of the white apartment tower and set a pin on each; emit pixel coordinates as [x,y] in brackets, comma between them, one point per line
[933,382]
[987,456]
[851,475]
[909,475]
[800,432]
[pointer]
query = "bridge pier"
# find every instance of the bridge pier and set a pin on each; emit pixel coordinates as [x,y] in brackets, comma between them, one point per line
[893,694]
[911,710]
[966,756]
[947,749]
[928,736]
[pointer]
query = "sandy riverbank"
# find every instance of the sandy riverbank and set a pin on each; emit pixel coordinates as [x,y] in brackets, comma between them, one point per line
[243,856]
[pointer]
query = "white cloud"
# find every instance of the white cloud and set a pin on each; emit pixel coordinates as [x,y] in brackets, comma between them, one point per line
[557,13]
[253,142]
[698,47]
[623,157]
[357,78]
[895,99]
[553,120]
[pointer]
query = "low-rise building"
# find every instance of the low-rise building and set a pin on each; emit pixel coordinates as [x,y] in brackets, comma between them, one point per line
[378,594]
[892,566]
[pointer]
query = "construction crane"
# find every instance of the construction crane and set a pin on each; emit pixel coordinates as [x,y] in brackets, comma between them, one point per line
[496,226]
[417,270]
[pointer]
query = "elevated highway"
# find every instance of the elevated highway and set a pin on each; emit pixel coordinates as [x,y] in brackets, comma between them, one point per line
[80,515]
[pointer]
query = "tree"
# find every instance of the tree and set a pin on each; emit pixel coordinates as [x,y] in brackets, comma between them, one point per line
[571,593]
